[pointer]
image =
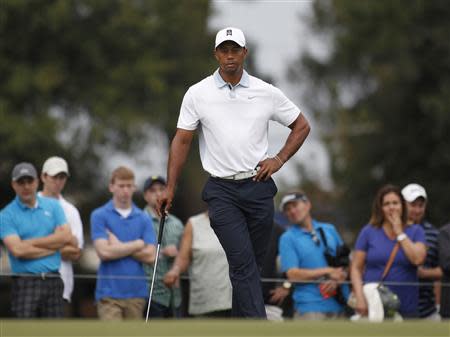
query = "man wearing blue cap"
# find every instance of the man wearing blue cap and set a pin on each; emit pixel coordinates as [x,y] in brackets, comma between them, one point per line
[166,301]
[34,229]
[231,110]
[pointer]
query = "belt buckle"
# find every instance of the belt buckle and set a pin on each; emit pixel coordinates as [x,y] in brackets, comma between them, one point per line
[43,276]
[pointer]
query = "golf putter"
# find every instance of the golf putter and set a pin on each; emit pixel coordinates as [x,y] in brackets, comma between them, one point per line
[160,234]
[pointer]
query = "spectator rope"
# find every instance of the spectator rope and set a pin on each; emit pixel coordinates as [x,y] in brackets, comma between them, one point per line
[186,277]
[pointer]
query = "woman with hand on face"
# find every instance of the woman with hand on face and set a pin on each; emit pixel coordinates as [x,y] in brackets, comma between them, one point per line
[388,226]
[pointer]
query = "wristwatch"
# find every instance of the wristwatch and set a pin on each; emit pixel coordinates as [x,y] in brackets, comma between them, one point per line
[287,285]
[401,237]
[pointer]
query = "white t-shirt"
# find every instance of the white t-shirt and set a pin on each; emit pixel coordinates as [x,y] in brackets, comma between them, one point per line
[233,121]
[124,212]
[74,221]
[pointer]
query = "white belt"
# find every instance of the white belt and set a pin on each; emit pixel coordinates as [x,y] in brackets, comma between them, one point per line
[240,175]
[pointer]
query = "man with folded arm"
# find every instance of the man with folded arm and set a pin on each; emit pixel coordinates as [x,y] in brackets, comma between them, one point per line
[55,173]
[34,229]
[124,239]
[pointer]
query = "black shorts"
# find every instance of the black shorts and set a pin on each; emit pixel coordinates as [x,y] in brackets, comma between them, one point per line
[37,296]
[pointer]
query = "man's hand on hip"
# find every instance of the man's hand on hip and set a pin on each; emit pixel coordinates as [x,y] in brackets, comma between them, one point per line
[267,167]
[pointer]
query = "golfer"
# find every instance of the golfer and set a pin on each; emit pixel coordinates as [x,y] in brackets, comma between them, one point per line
[231,110]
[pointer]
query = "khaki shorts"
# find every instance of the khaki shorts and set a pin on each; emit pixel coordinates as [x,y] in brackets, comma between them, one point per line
[119,309]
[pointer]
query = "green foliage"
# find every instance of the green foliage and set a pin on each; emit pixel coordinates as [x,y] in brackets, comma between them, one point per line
[383,95]
[78,74]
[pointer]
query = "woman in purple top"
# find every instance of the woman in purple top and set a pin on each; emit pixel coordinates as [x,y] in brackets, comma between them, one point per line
[387,226]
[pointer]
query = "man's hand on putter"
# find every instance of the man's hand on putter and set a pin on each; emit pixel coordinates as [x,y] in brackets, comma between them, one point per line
[164,201]
[267,167]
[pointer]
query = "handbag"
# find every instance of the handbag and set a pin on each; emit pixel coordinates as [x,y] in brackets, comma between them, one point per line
[384,301]
[390,300]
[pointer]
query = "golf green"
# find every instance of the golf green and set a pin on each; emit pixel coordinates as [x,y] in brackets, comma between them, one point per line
[222,328]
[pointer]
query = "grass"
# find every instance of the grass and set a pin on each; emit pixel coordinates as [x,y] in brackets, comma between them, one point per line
[222,328]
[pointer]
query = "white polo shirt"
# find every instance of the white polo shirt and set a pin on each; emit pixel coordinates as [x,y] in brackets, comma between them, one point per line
[233,122]
[76,227]
[66,269]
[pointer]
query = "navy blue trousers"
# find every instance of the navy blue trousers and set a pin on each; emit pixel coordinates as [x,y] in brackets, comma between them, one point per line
[241,214]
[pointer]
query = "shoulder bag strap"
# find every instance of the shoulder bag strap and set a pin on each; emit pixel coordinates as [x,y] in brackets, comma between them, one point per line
[390,261]
[324,239]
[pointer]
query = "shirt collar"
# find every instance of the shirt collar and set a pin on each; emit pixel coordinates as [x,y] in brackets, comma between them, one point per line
[314,224]
[60,197]
[426,224]
[151,212]
[23,206]
[220,83]
[110,207]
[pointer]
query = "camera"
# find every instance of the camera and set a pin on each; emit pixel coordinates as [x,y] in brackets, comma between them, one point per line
[341,259]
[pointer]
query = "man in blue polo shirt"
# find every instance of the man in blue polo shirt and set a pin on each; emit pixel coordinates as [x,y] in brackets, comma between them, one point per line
[33,229]
[302,251]
[124,239]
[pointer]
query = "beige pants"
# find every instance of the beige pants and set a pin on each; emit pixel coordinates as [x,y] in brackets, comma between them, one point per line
[119,309]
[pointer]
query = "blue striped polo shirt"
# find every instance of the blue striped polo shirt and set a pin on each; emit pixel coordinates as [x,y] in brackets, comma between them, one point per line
[427,303]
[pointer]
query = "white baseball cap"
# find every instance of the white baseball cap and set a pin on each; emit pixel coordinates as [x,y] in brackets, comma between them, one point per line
[55,165]
[291,197]
[230,34]
[413,191]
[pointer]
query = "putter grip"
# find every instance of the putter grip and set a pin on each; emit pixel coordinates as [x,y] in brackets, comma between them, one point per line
[161,223]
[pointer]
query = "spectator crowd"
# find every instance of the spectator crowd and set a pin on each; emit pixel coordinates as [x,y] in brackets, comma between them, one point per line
[308,273]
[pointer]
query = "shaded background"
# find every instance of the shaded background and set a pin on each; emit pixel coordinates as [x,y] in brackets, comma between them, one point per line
[100,83]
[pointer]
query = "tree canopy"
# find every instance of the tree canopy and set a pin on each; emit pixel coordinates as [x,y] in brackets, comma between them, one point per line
[79,74]
[382,95]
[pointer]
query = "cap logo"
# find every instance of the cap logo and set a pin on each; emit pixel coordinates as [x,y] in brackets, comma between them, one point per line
[23,171]
[229,32]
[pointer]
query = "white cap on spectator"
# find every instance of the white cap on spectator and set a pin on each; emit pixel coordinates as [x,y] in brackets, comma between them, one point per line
[230,34]
[291,197]
[413,191]
[54,166]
